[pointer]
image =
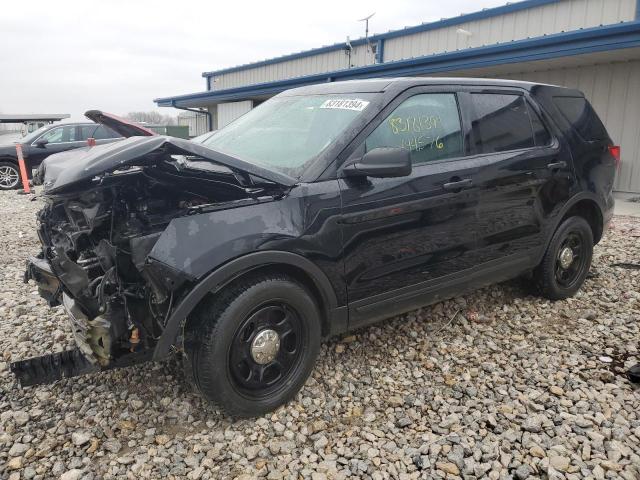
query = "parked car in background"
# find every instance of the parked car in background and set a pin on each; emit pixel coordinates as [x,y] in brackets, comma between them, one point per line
[49,140]
[331,207]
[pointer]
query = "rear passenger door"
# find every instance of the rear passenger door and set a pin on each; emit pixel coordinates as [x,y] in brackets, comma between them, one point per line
[523,175]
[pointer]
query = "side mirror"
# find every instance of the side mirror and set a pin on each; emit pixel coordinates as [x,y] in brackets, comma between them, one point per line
[42,143]
[381,163]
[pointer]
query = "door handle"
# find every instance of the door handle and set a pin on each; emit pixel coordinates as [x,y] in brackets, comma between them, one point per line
[557,165]
[458,184]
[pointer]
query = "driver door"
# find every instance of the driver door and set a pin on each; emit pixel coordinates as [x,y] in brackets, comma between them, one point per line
[409,239]
[58,139]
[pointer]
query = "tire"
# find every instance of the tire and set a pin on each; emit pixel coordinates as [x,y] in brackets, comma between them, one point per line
[9,176]
[223,345]
[555,278]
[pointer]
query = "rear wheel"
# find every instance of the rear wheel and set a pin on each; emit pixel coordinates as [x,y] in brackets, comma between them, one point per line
[566,263]
[9,176]
[253,345]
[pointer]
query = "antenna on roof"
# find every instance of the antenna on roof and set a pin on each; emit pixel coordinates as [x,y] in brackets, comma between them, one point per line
[348,44]
[348,48]
[366,32]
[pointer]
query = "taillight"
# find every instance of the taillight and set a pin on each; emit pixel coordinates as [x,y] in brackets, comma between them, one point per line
[614,150]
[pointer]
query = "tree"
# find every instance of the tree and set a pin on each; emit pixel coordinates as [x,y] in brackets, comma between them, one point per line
[152,118]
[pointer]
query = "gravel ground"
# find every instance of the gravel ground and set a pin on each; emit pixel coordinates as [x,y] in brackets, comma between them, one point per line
[513,387]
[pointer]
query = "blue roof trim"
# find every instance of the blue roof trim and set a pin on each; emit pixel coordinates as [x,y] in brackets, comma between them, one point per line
[597,39]
[447,22]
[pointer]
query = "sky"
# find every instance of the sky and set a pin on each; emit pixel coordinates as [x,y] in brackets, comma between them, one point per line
[67,56]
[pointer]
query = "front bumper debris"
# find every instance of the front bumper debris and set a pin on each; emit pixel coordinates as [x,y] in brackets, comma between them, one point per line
[92,336]
[49,368]
[49,287]
[71,363]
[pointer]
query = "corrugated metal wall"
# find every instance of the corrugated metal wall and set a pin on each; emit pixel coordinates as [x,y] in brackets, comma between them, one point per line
[228,112]
[614,91]
[196,122]
[324,62]
[533,22]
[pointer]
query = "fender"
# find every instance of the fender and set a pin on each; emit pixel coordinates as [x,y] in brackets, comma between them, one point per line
[223,275]
[555,223]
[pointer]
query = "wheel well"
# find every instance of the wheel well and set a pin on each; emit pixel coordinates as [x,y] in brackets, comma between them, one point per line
[589,210]
[9,160]
[294,272]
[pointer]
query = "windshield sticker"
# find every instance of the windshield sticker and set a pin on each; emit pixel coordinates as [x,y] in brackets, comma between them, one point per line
[346,104]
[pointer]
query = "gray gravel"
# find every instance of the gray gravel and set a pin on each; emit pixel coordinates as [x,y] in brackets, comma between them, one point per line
[513,387]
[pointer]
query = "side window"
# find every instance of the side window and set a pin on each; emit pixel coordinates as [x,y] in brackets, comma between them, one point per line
[581,115]
[103,133]
[540,133]
[60,134]
[500,123]
[86,131]
[428,125]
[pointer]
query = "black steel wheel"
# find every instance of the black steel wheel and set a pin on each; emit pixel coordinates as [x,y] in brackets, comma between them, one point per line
[567,260]
[266,347]
[570,260]
[251,347]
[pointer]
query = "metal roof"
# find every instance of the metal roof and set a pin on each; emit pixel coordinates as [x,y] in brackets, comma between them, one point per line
[577,42]
[32,117]
[445,22]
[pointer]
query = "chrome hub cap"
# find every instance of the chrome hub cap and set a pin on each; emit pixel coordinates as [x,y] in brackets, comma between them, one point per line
[265,346]
[566,257]
[8,177]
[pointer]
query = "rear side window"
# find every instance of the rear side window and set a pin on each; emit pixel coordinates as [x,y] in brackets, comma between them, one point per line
[501,122]
[86,131]
[581,115]
[540,132]
[428,125]
[103,132]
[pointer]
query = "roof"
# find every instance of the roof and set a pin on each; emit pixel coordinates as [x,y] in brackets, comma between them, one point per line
[445,22]
[578,42]
[32,117]
[381,84]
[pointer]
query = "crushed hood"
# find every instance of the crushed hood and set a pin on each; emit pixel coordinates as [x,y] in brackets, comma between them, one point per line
[119,125]
[65,170]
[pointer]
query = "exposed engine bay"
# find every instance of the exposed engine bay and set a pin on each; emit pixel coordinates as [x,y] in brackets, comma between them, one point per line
[97,236]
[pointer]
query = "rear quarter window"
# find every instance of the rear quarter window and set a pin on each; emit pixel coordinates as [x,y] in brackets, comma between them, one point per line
[582,117]
[103,133]
[501,122]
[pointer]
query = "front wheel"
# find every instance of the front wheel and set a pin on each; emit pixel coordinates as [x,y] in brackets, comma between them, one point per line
[566,263]
[252,346]
[9,176]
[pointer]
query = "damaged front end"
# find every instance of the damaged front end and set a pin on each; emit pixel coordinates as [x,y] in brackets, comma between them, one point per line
[97,231]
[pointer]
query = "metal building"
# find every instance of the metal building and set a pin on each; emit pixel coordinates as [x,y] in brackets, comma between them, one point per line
[593,45]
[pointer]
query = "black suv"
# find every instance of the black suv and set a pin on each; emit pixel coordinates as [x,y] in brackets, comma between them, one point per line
[46,141]
[324,209]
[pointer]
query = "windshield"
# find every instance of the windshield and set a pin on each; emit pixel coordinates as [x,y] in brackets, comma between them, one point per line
[203,137]
[285,133]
